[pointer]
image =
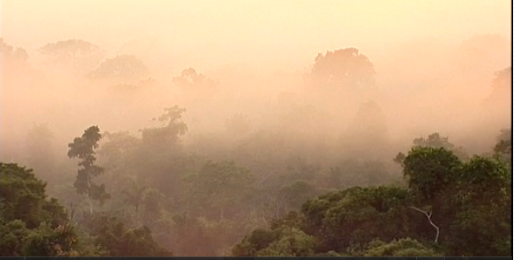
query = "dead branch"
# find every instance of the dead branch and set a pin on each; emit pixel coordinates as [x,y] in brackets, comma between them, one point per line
[429,217]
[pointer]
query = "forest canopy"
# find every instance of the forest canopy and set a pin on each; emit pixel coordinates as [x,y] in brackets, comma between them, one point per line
[255,128]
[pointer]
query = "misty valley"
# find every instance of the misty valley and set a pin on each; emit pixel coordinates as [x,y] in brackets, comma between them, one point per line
[406,151]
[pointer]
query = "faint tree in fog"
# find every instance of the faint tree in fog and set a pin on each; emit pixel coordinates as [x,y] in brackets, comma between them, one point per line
[169,132]
[297,193]
[78,54]
[134,195]
[40,150]
[501,94]
[352,172]
[344,69]
[503,147]
[219,190]
[238,125]
[160,156]
[434,140]
[83,148]
[189,77]
[120,69]
[192,82]
[118,149]
[482,54]
[12,56]
[367,134]
[503,79]
[299,168]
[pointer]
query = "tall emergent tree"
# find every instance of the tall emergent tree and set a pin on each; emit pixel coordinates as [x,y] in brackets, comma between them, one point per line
[84,149]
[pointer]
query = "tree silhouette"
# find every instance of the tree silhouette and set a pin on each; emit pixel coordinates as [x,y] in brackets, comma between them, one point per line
[84,149]
[343,68]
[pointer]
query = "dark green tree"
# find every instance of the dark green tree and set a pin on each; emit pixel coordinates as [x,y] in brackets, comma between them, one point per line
[284,238]
[292,242]
[430,170]
[482,224]
[503,147]
[450,207]
[219,190]
[401,247]
[31,224]
[257,240]
[465,202]
[355,216]
[83,148]
[112,234]
[432,173]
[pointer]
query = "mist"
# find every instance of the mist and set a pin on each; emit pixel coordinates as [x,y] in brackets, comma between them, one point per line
[265,84]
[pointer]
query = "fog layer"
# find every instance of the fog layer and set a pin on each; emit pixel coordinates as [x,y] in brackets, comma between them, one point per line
[263,83]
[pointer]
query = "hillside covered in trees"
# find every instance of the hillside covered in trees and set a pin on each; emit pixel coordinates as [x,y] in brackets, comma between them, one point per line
[447,203]
[255,128]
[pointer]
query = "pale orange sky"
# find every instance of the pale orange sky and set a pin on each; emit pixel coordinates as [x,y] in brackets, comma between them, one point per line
[276,32]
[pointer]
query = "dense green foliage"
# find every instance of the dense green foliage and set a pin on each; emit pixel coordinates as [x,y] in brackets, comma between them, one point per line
[401,247]
[33,225]
[465,203]
[118,240]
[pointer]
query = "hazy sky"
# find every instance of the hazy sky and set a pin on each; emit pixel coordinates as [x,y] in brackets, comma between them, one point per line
[275,33]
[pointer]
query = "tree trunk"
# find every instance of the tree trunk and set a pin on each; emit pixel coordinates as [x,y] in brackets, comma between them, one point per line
[90,204]
[72,213]
[277,212]
[89,195]
[137,209]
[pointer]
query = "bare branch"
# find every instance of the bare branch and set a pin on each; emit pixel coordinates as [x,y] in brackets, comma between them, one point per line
[429,217]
